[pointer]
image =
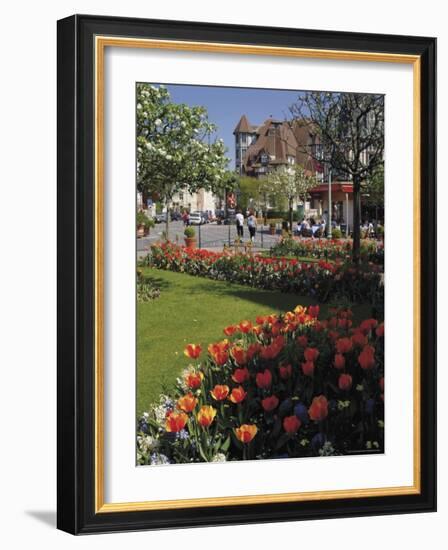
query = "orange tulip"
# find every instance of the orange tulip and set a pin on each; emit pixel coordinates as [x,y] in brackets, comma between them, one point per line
[206,415]
[367,357]
[175,422]
[220,392]
[319,408]
[291,424]
[246,432]
[245,326]
[193,351]
[193,379]
[219,352]
[240,375]
[228,331]
[237,395]
[187,403]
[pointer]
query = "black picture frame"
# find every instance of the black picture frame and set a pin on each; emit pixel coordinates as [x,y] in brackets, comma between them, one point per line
[76,254]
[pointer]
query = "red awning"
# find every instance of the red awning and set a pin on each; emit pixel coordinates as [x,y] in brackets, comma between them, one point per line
[345,187]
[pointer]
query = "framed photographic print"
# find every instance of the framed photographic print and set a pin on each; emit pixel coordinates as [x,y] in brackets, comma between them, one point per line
[246,274]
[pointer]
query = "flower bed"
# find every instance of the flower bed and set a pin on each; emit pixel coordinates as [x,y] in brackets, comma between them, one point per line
[322,279]
[336,249]
[283,386]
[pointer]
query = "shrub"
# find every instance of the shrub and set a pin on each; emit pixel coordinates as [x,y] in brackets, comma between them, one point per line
[336,233]
[283,386]
[322,280]
[190,232]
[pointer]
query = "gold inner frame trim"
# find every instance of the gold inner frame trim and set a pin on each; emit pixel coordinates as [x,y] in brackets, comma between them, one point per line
[101,42]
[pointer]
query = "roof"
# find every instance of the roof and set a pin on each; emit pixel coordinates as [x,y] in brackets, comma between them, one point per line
[243,126]
[345,187]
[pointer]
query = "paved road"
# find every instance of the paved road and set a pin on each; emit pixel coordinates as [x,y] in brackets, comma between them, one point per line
[210,236]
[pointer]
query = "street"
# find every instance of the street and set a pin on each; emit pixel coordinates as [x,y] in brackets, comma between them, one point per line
[209,236]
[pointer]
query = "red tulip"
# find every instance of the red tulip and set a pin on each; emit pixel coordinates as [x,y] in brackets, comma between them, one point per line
[339,361]
[193,379]
[344,345]
[314,311]
[367,357]
[345,382]
[308,368]
[291,424]
[380,330]
[240,375]
[264,379]
[303,341]
[245,326]
[319,408]
[193,351]
[239,355]
[285,371]
[311,354]
[359,339]
[269,403]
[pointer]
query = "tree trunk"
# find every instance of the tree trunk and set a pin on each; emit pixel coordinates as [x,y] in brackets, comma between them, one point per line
[356,219]
[290,216]
[167,223]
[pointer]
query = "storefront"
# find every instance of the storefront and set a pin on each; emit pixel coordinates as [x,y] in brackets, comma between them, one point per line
[341,202]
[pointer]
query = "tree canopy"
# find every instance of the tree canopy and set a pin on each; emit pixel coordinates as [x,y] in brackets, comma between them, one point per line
[176,147]
[349,132]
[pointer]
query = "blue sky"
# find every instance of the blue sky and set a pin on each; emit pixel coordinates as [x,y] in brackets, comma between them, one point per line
[226,105]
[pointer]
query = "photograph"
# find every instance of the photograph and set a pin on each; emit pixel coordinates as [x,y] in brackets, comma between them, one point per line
[260,226]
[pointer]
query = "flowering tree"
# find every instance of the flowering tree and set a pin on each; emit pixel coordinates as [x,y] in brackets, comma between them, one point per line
[175,147]
[292,185]
[350,131]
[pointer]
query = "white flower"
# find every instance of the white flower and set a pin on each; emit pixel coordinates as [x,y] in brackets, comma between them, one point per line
[183,124]
[139,106]
[157,122]
[147,444]
[169,157]
[149,146]
[219,457]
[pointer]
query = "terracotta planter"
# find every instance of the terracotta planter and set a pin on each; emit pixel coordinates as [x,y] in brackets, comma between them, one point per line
[190,242]
[141,231]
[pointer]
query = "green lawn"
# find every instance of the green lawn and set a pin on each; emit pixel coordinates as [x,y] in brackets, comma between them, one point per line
[195,310]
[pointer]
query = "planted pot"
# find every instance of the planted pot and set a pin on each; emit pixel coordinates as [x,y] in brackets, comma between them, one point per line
[190,242]
[141,230]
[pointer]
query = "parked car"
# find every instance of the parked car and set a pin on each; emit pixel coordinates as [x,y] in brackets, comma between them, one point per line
[160,218]
[196,218]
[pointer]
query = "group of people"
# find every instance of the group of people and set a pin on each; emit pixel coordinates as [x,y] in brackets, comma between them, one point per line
[251,224]
[311,227]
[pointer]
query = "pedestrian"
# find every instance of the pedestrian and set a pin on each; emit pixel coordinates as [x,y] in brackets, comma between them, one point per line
[252,225]
[239,218]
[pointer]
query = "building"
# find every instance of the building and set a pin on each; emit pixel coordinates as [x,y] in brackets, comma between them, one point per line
[277,144]
[273,145]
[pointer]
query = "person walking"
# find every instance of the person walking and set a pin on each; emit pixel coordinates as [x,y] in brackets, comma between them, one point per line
[252,225]
[239,218]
